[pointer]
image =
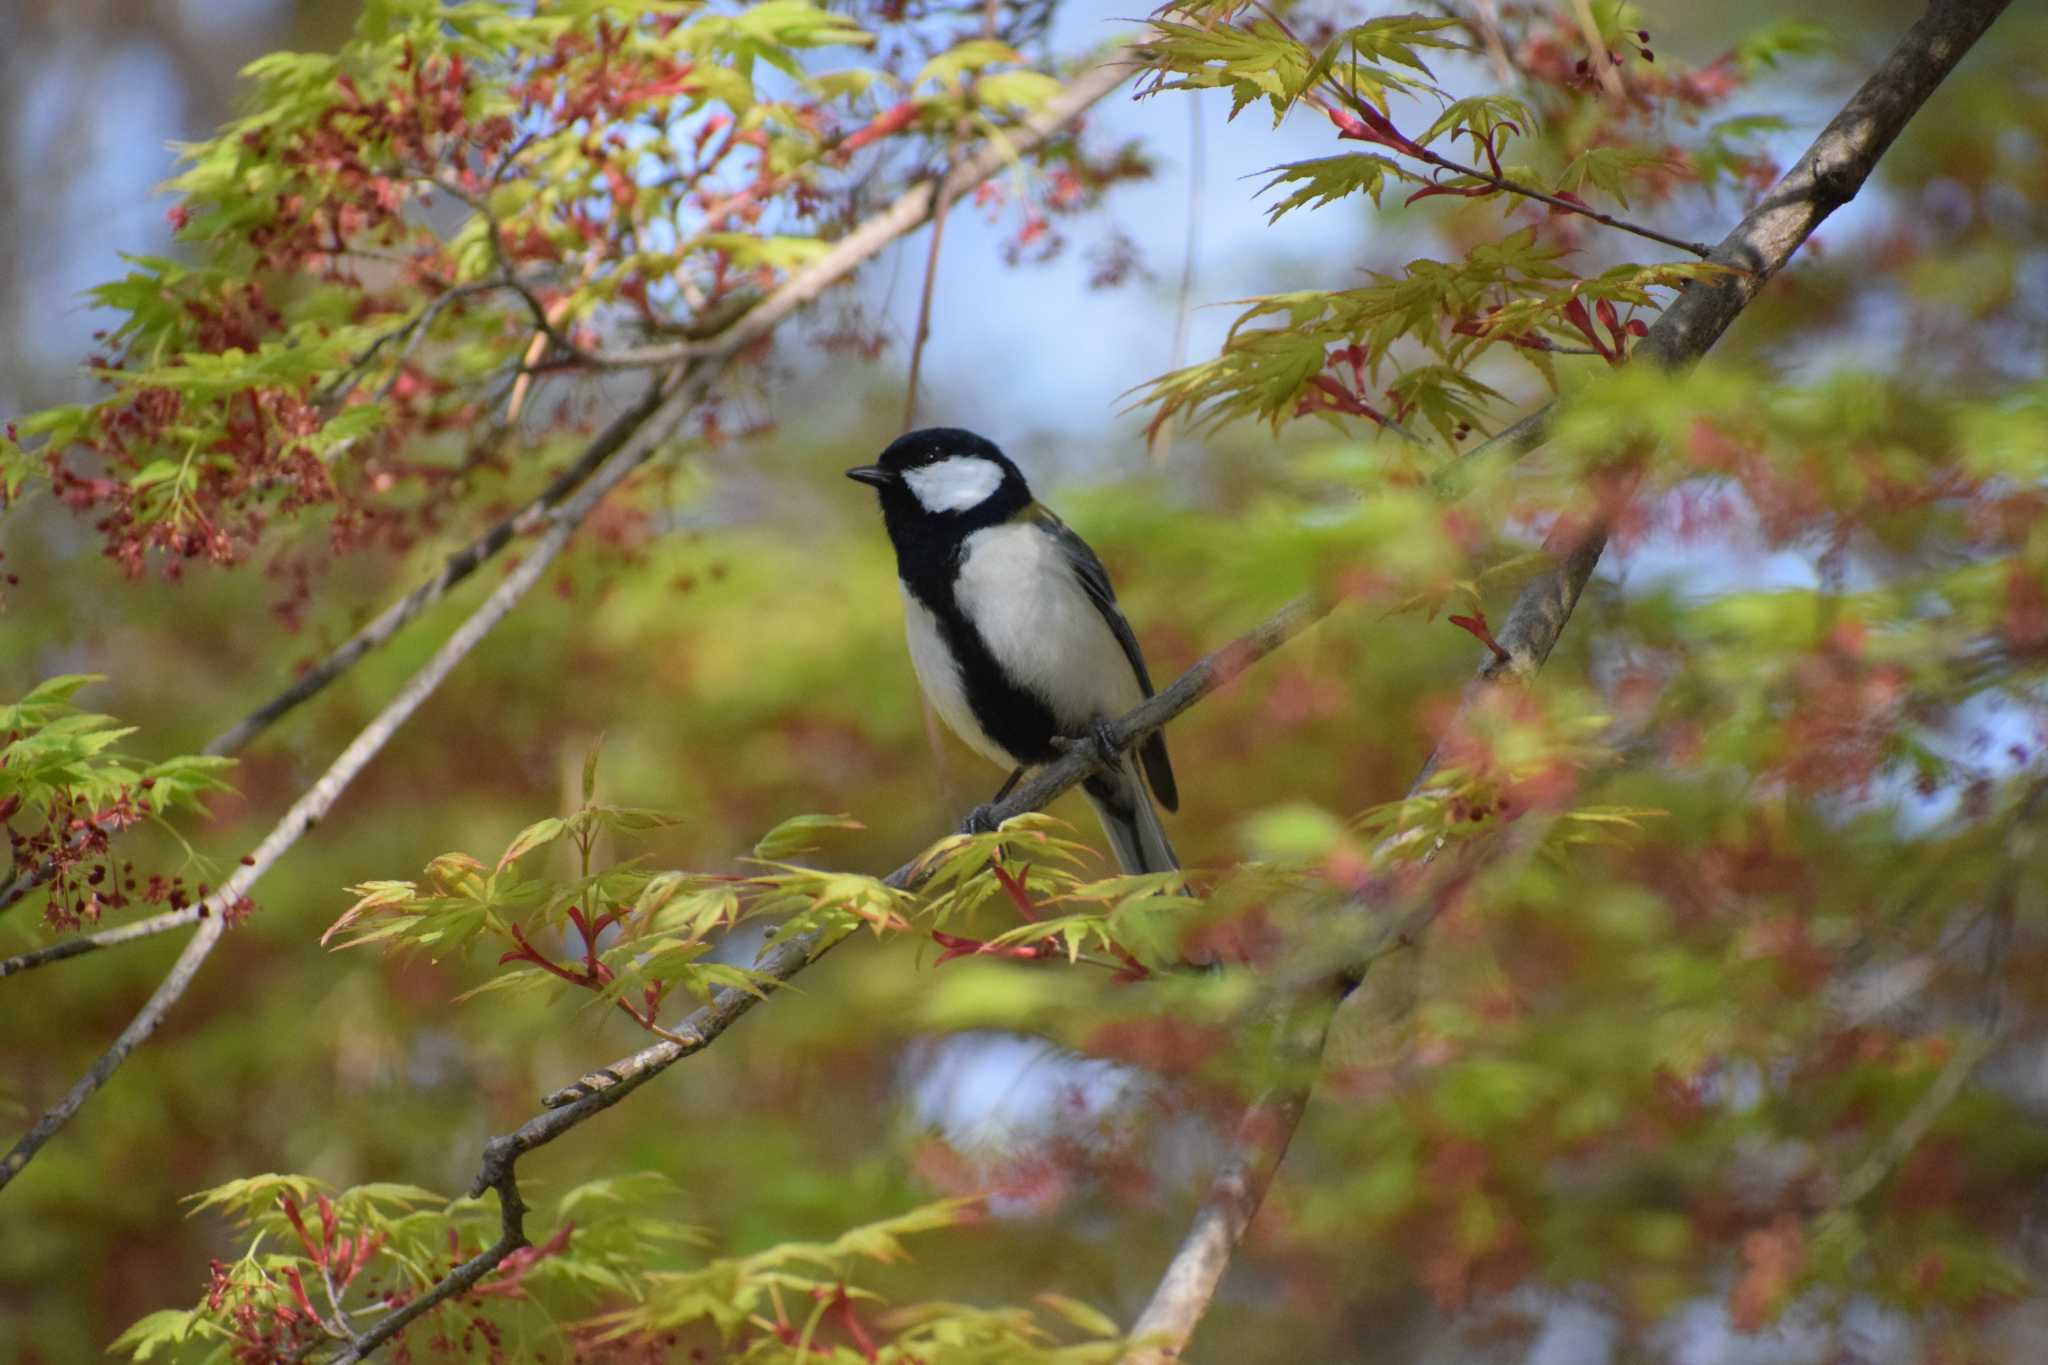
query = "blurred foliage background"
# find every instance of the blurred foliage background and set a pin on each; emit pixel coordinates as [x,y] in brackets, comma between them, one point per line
[734,636]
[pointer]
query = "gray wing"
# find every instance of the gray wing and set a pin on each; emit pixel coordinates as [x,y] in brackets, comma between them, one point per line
[1088,568]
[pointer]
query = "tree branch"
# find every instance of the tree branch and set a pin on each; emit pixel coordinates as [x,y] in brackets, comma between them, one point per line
[496,1174]
[1831,172]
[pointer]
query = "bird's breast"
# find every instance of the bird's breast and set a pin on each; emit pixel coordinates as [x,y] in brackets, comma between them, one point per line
[1021,593]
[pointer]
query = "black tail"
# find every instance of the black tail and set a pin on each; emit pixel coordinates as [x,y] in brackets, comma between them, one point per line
[1127,816]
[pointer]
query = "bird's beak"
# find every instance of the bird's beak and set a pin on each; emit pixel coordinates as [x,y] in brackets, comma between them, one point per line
[871,474]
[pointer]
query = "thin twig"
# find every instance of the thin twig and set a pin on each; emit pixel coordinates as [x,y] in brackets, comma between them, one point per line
[105,938]
[924,306]
[1501,182]
[1396,142]
[1408,147]
[1827,176]
[453,571]
[1898,1144]
[1183,304]
[2020,854]
[1488,24]
[408,331]
[1602,60]
[33,878]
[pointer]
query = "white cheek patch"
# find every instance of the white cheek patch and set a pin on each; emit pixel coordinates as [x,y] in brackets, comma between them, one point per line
[954,484]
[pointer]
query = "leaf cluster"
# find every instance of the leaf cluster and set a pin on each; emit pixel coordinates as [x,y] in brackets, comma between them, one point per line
[321,1266]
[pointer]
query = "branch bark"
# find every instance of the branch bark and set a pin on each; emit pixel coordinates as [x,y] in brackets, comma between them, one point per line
[1830,173]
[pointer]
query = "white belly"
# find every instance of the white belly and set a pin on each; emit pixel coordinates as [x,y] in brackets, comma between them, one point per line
[1015,584]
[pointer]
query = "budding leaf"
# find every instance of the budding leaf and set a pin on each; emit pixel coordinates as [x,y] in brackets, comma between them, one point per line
[532,837]
[793,836]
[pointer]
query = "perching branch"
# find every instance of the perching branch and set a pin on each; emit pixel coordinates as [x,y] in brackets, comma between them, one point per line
[1831,172]
[1041,789]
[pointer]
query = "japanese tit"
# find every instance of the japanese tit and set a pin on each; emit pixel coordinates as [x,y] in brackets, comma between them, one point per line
[1014,630]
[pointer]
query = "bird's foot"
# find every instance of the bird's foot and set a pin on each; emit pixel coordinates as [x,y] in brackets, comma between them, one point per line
[1106,747]
[982,819]
[1100,742]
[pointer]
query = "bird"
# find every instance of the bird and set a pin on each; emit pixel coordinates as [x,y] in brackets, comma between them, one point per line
[1015,634]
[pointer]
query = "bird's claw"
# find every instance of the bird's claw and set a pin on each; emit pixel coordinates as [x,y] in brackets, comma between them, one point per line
[1100,741]
[982,819]
[1105,743]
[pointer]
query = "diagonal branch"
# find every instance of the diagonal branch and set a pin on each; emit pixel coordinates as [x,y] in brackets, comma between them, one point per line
[456,568]
[1041,789]
[214,913]
[1831,172]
